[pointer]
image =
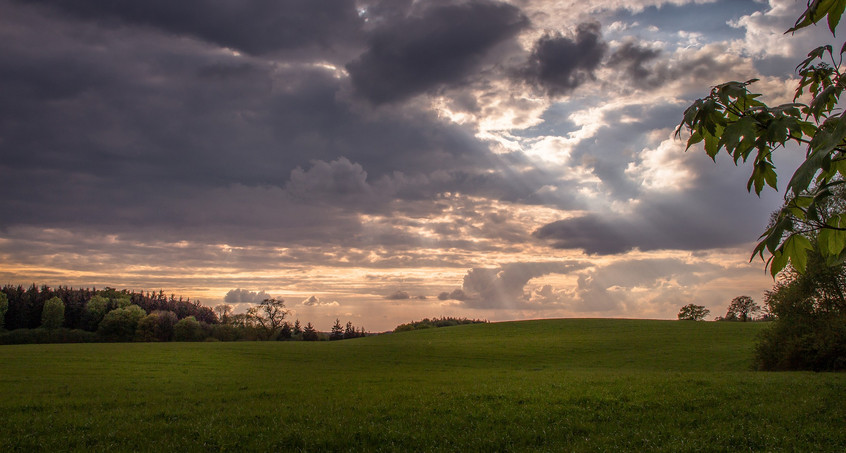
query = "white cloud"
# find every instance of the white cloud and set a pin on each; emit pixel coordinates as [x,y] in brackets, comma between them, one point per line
[314,301]
[765,31]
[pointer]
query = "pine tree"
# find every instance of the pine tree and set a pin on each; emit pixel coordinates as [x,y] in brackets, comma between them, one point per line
[337,331]
[309,333]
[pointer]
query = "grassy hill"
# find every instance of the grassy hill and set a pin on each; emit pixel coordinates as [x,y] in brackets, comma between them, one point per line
[549,385]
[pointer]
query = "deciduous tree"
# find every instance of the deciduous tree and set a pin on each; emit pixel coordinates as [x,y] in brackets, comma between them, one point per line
[188,329]
[733,118]
[4,307]
[742,308]
[269,315]
[53,313]
[693,312]
[120,323]
[223,312]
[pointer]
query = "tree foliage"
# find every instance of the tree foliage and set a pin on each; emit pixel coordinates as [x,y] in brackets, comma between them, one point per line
[188,329]
[310,333]
[120,323]
[693,312]
[269,316]
[809,331]
[53,313]
[337,332]
[742,308]
[445,321]
[4,307]
[733,119]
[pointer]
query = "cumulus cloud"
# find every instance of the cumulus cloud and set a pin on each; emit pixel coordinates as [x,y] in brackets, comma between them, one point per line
[437,45]
[239,296]
[314,301]
[559,64]
[632,57]
[329,180]
[503,287]
[398,295]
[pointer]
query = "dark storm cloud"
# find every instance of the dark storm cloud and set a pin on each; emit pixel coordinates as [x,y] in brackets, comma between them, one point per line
[559,64]
[631,58]
[165,133]
[439,45]
[254,27]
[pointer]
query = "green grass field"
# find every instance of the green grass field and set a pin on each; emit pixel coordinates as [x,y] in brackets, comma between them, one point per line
[553,385]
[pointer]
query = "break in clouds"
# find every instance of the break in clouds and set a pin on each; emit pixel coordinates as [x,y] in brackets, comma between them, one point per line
[287,136]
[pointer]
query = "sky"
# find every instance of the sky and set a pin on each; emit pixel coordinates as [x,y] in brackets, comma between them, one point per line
[380,161]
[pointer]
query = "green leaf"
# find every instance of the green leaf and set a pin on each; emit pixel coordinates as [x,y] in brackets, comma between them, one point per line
[834,15]
[695,138]
[777,262]
[832,241]
[796,248]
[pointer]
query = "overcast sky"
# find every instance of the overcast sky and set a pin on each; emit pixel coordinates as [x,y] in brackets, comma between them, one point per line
[387,160]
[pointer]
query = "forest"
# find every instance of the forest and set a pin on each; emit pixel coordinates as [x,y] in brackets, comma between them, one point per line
[41,314]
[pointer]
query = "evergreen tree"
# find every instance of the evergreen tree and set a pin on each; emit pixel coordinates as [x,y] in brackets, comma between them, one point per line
[285,333]
[297,329]
[309,333]
[337,331]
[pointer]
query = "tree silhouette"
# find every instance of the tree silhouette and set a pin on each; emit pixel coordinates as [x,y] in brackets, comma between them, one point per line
[692,312]
[742,308]
[309,333]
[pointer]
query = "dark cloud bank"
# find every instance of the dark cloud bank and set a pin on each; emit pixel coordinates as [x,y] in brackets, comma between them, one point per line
[228,121]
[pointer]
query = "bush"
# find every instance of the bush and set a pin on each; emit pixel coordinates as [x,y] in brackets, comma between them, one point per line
[157,326]
[809,332]
[811,343]
[188,329]
[120,323]
[225,332]
[40,336]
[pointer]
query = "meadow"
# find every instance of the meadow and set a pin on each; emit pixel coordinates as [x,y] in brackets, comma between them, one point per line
[549,385]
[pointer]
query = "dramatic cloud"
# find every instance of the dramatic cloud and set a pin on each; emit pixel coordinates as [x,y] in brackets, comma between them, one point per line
[503,287]
[253,27]
[239,296]
[438,45]
[349,149]
[559,64]
[631,58]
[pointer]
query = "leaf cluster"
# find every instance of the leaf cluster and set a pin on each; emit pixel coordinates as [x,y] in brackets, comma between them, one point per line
[733,119]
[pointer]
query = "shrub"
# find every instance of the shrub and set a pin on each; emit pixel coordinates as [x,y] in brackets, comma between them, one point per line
[157,326]
[812,343]
[225,332]
[40,335]
[120,323]
[188,329]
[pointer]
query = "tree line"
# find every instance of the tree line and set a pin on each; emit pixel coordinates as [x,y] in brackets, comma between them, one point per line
[40,314]
[444,321]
